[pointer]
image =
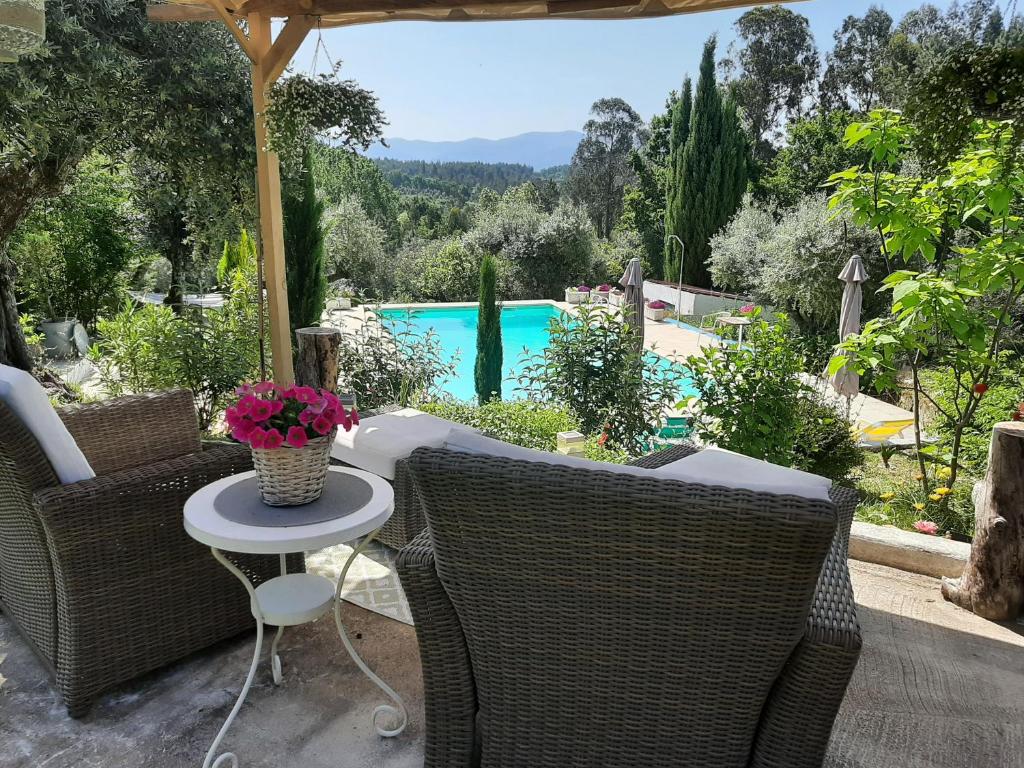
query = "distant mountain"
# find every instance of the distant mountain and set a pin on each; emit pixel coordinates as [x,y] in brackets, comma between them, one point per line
[539,150]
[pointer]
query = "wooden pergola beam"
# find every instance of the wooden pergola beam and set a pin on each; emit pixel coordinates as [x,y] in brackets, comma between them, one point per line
[285,46]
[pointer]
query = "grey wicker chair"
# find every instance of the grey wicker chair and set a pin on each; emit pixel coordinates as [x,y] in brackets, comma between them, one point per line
[577,617]
[99,576]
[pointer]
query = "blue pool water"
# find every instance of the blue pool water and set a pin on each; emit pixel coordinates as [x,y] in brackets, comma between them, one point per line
[524,331]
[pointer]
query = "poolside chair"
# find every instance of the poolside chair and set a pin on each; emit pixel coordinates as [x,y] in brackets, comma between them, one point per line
[709,323]
[96,570]
[884,437]
[572,616]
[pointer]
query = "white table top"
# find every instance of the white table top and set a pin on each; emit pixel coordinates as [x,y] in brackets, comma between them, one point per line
[205,525]
[734,321]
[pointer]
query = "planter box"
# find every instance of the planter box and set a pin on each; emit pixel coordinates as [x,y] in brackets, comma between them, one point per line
[615,298]
[657,315]
[341,303]
[572,296]
[601,295]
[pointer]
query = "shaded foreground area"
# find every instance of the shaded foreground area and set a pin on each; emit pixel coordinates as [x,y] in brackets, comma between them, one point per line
[936,686]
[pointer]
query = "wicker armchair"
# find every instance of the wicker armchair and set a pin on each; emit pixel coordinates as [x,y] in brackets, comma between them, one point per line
[576,617]
[99,576]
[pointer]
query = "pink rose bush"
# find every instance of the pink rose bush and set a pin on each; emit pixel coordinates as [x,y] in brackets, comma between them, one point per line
[269,416]
[657,304]
[584,289]
[604,288]
[748,309]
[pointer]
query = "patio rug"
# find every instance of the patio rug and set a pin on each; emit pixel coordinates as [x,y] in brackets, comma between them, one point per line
[372,582]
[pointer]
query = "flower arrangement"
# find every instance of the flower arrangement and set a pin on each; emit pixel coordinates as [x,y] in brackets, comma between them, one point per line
[604,288]
[268,417]
[657,304]
[583,288]
[748,309]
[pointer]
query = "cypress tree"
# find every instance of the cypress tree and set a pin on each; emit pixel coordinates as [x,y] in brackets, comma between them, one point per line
[710,176]
[304,249]
[488,335]
[682,114]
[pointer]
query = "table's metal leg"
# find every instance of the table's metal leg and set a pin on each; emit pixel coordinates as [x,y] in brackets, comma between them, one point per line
[229,758]
[397,712]
[275,659]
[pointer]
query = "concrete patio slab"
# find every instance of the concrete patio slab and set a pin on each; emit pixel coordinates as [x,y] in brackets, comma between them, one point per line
[936,687]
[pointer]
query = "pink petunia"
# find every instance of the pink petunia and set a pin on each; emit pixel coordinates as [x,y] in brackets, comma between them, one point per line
[264,388]
[246,403]
[306,395]
[257,437]
[354,415]
[232,416]
[297,437]
[286,393]
[926,526]
[244,389]
[276,406]
[273,439]
[322,425]
[318,406]
[261,410]
[306,417]
[330,397]
[242,430]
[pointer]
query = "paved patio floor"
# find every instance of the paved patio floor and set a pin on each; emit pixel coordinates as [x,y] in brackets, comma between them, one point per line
[936,688]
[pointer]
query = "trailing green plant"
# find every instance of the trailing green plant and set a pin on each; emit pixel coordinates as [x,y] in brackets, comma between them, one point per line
[748,397]
[304,249]
[594,366]
[392,365]
[958,233]
[519,422]
[487,373]
[302,108]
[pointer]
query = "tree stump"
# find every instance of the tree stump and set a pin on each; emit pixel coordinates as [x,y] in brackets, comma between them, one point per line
[992,584]
[316,357]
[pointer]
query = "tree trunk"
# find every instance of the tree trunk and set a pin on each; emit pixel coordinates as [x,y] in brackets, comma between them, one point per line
[316,357]
[992,584]
[14,349]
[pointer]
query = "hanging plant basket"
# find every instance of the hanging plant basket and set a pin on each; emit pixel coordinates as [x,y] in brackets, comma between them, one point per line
[303,108]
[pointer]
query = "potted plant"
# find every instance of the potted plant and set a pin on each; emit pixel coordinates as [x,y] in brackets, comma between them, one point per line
[617,297]
[656,310]
[602,291]
[575,295]
[290,431]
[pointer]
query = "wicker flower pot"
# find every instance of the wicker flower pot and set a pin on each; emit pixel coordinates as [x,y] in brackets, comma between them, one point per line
[288,477]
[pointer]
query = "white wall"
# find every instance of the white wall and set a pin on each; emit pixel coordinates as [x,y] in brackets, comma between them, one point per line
[692,303]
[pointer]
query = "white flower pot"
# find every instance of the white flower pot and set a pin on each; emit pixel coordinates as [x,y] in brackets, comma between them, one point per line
[572,296]
[657,315]
[59,338]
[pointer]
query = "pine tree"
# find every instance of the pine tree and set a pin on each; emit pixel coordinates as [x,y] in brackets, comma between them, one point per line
[304,249]
[682,114]
[488,335]
[709,179]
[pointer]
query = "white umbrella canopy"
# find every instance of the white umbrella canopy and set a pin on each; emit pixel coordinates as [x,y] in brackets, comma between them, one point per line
[633,300]
[845,381]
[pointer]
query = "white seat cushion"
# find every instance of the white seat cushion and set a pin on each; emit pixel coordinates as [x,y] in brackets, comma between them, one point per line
[27,400]
[711,466]
[379,441]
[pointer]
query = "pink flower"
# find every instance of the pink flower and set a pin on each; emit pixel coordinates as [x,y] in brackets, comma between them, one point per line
[232,416]
[926,526]
[244,389]
[354,414]
[306,395]
[318,406]
[747,309]
[273,439]
[306,417]
[331,398]
[261,410]
[297,437]
[322,425]
[246,403]
[264,388]
[257,437]
[276,406]
[242,430]
[286,393]
[657,304]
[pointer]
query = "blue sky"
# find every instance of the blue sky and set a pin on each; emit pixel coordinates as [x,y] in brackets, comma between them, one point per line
[444,81]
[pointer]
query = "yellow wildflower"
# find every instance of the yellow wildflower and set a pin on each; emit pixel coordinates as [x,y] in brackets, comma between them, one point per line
[943,491]
[919,506]
[919,477]
[944,472]
[887,496]
[935,497]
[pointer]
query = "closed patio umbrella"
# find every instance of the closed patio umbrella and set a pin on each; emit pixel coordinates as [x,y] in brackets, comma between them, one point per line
[845,381]
[633,300]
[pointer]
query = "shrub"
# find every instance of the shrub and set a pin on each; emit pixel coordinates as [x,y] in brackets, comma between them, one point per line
[392,366]
[355,249]
[487,372]
[304,249]
[525,423]
[825,444]
[594,366]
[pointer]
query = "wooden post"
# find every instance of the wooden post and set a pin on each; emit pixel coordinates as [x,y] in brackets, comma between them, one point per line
[316,357]
[268,177]
[992,584]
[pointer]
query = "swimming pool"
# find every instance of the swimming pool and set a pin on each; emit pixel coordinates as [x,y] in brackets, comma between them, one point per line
[524,332]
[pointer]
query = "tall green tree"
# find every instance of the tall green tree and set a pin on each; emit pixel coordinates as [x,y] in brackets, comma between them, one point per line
[487,373]
[859,73]
[773,68]
[709,177]
[304,248]
[682,114]
[601,167]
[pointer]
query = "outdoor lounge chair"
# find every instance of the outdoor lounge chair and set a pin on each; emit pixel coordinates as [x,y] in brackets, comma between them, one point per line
[884,437]
[98,574]
[658,623]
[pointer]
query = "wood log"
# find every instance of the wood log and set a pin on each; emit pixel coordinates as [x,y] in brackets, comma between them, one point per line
[992,584]
[316,357]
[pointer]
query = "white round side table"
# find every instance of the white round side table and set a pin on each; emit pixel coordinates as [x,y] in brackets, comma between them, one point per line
[212,517]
